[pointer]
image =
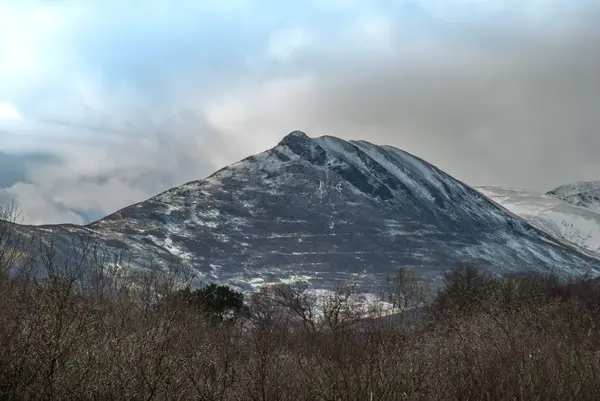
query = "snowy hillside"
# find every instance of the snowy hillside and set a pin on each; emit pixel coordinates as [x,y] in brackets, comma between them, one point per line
[579,225]
[584,193]
[330,211]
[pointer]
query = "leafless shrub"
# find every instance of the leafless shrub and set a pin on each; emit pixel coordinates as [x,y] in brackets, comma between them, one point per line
[75,327]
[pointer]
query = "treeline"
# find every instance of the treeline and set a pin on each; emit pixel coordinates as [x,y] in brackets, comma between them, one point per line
[92,332]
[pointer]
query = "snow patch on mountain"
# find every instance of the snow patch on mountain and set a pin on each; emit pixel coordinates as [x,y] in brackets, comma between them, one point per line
[578,225]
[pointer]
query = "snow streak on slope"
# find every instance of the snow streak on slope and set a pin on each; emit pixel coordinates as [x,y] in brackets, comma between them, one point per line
[584,193]
[578,225]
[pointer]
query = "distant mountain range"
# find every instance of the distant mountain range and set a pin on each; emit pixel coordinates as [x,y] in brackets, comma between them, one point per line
[584,193]
[331,211]
[570,212]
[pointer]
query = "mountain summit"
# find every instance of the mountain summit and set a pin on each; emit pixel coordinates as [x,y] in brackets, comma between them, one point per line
[330,210]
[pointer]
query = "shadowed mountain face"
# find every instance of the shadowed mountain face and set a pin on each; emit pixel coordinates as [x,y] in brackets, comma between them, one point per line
[329,210]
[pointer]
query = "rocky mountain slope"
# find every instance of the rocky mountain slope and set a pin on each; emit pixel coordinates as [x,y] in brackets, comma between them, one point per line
[575,224]
[584,194]
[330,211]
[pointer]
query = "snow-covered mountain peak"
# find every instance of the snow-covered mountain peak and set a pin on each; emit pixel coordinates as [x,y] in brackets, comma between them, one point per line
[582,193]
[297,134]
[295,139]
[331,210]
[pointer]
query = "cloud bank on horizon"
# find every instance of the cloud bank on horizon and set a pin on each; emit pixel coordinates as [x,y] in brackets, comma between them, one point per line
[104,103]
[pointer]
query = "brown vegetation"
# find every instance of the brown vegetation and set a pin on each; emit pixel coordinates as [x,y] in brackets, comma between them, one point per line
[81,334]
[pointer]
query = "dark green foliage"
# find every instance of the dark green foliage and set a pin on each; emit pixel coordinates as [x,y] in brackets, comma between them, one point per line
[216,300]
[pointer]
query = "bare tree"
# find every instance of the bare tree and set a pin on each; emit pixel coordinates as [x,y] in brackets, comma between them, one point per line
[12,241]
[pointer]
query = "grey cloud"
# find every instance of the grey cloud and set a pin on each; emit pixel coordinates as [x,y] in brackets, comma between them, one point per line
[102,174]
[34,206]
[14,167]
[521,114]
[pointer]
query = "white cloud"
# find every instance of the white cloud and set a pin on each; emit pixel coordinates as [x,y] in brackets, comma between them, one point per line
[17,56]
[284,45]
[136,96]
[372,31]
[8,112]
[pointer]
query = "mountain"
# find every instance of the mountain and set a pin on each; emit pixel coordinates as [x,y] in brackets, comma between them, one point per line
[328,210]
[577,225]
[583,193]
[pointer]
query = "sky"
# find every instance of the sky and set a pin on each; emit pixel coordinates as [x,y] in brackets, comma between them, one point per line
[104,103]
